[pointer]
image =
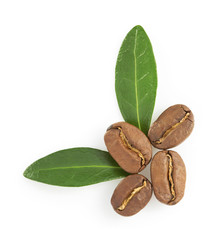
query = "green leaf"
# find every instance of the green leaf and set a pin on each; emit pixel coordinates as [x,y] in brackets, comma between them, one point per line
[136,79]
[75,167]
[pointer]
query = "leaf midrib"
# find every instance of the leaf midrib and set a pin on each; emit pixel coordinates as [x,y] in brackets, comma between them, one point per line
[136,87]
[73,167]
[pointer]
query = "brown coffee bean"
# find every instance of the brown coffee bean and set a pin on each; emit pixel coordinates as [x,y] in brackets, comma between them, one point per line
[172,127]
[131,195]
[168,176]
[129,146]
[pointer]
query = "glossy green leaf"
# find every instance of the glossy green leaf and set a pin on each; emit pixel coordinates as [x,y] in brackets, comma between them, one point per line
[75,167]
[136,79]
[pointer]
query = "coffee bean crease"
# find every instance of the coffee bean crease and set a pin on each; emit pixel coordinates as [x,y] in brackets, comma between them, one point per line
[170,177]
[168,131]
[128,145]
[131,195]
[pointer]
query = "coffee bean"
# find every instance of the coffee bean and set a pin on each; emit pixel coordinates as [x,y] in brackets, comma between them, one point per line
[131,195]
[168,176]
[129,146]
[172,127]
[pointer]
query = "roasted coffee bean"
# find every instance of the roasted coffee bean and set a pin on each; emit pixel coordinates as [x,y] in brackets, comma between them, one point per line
[168,176]
[129,146]
[172,127]
[131,195]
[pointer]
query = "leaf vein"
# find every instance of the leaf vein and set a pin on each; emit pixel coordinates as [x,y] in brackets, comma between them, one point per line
[136,90]
[73,167]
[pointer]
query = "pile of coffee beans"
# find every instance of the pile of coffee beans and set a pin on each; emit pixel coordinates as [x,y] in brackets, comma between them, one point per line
[132,150]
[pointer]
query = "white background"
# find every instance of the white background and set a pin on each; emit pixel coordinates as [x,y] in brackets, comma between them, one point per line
[57,65]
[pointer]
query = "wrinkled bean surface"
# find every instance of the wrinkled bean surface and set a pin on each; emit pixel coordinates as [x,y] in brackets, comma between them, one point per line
[168,176]
[129,146]
[131,195]
[172,127]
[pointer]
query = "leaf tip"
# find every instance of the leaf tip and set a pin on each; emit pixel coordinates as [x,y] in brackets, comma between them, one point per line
[138,27]
[27,173]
